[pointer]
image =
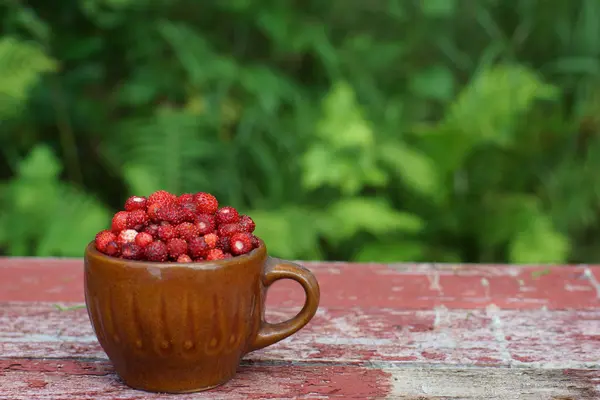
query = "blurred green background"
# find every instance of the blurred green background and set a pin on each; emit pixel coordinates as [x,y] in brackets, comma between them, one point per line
[382,130]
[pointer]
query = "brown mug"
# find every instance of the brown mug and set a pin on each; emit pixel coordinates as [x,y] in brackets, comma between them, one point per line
[177,328]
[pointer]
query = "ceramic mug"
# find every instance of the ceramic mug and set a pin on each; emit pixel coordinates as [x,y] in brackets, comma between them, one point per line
[177,328]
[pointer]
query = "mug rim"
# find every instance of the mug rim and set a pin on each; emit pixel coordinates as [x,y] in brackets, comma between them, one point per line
[92,253]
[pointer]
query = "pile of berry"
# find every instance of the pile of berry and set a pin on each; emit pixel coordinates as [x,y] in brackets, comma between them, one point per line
[165,227]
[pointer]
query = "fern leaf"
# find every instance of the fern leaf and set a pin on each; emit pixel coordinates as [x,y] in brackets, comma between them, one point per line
[22,64]
[164,151]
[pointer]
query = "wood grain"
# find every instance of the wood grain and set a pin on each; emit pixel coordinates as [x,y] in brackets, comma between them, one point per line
[407,331]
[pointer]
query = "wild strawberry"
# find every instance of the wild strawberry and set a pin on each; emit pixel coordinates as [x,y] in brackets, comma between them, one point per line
[190,207]
[223,244]
[207,203]
[143,239]
[177,247]
[255,241]
[119,221]
[127,236]
[205,223]
[215,254]
[132,251]
[211,240]
[171,213]
[185,198]
[112,249]
[187,214]
[153,211]
[247,224]
[184,258]
[103,238]
[152,229]
[135,203]
[241,243]
[156,251]
[137,219]
[229,229]
[227,215]
[197,247]
[187,230]
[162,197]
[166,232]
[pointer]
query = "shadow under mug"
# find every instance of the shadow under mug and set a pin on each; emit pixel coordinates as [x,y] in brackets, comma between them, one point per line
[177,328]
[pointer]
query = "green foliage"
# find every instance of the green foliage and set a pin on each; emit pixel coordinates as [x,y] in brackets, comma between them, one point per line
[433,130]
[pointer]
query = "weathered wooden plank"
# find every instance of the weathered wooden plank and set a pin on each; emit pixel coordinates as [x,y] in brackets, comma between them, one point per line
[533,338]
[91,379]
[407,286]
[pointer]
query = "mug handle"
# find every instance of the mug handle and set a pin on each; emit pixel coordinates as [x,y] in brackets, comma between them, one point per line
[275,270]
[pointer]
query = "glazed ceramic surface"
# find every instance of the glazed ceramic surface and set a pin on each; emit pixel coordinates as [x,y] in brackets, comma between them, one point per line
[170,327]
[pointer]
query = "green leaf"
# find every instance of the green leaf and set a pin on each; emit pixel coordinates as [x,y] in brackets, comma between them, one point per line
[488,108]
[288,232]
[344,156]
[40,163]
[347,172]
[402,251]
[164,151]
[74,223]
[22,65]
[435,83]
[347,217]
[342,124]
[539,243]
[416,169]
[438,8]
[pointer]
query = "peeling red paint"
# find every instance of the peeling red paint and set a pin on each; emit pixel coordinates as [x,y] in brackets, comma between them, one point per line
[252,382]
[407,286]
[381,332]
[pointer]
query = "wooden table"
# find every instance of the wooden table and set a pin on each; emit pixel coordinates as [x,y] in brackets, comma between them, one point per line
[383,331]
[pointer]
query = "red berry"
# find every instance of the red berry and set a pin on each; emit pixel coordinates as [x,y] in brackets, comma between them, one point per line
[132,251]
[185,198]
[127,236]
[247,224]
[113,249]
[215,254]
[162,197]
[171,213]
[187,214]
[187,230]
[207,203]
[223,244]
[211,240]
[184,258]
[103,238]
[119,221]
[229,229]
[153,211]
[199,259]
[143,239]
[190,207]
[152,229]
[255,241]
[177,247]
[136,203]
[197,247]
[227,255]
[156,251]
[227,215]
[205,223]
[241,243]
[166,232]
[137,219]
